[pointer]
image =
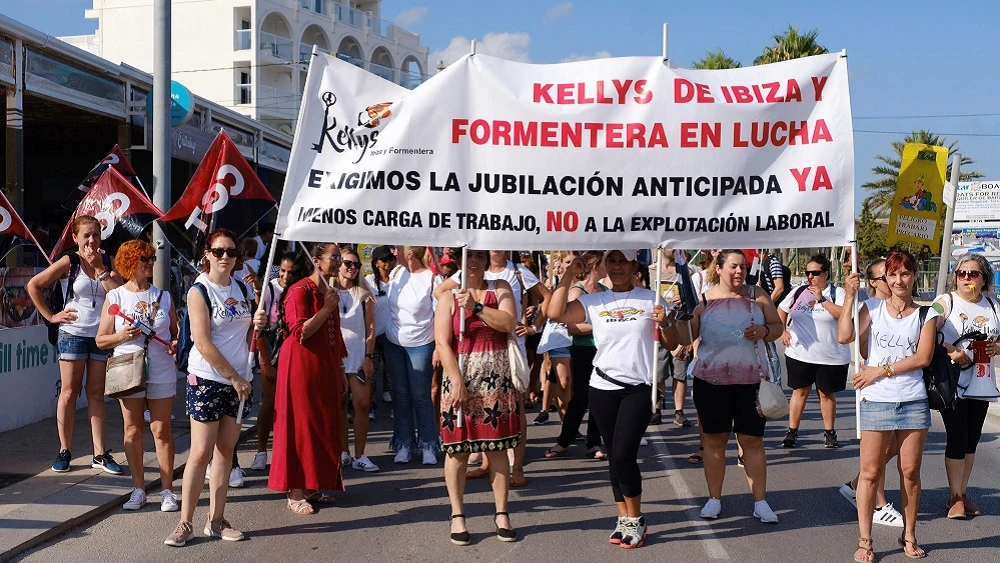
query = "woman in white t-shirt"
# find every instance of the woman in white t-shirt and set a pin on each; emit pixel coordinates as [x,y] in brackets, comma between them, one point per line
[383,263]
[152,307]
[813,356]
[896,347]
[409,352]
[218,381]
[968,309]
[624,321]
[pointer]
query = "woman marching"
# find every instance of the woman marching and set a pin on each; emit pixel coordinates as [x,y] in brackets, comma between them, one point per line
[480,407]
[92,278]
[623,321]
[893,396]
[308,396]
[152,306]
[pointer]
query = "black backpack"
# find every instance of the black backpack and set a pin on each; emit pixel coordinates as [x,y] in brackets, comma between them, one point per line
[56,301]
[941,376]
[184,341]
[786,276]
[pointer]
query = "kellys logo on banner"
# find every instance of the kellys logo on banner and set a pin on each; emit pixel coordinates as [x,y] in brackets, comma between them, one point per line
[918,205]
[595,154]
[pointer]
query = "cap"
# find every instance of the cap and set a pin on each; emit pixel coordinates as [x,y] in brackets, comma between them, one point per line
[630,253]
[382,253]
[446,259]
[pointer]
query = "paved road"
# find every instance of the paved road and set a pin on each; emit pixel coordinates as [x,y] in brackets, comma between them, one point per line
[566,511]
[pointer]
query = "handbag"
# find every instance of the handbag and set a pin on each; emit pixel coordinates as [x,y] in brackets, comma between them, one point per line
[771,400]
[520,372]
[126,374]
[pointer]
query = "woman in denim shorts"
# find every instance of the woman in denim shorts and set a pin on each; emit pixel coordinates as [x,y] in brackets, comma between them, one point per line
[896,347]
[78,321]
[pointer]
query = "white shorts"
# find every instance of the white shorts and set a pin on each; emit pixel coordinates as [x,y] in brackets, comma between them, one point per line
[155,391]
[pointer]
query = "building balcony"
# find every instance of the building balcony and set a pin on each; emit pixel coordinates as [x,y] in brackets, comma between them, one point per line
[244,39]
[277,47]
[385,72]
[410,79]
[305,52]
[275,101]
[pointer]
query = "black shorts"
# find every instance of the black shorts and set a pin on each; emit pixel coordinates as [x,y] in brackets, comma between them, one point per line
[828,379]
[726,408]
[532,341]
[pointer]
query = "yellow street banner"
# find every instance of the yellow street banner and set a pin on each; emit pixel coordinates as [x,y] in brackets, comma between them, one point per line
[918,206]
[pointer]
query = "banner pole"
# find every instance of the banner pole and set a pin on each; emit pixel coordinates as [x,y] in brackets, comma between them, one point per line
[656,332]
[460,415]
[665,42]
[857,341]
[949,222]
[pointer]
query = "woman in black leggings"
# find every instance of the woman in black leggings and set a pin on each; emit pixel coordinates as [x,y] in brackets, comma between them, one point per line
[623,322]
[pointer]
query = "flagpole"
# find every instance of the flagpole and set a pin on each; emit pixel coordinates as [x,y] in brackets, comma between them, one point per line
[260,306]
[857,341]
[656,339]
[459,414]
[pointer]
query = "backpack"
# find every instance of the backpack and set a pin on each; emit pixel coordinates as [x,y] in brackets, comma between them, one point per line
[56,301]
[786,276]
[185,343]
[941,376]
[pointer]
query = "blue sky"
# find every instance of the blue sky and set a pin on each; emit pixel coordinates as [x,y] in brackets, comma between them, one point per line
[918,58]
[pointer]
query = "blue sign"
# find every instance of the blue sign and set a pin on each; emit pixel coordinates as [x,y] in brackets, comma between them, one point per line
[181,104]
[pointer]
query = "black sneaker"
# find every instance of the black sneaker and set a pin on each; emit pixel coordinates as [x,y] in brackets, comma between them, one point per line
[790,437]
[541,419]
[656,418]
[62,462]
[107,463]
[552,408]
[830,437]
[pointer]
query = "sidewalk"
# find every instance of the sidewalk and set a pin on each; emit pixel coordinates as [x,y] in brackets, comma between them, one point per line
[45,504]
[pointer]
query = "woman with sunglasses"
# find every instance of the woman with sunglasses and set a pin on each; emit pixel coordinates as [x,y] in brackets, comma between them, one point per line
[219,311]
[310,386]
[813,356]
[383,264]
[896,347]
[357,327]
[151,306]
[967,309]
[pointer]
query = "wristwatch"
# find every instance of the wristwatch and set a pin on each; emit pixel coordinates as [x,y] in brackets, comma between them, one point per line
[372,355]
[478,308]
[822,299]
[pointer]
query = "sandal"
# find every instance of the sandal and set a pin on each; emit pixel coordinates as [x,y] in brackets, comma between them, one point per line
[596,453]
[696,458]
[918,551]
[301,507]
[320,498]
[460,538]
[867,555]
[517,483]
[554,453]
[478,473]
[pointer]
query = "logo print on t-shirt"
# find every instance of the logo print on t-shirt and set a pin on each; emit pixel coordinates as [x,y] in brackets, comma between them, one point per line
[621,314]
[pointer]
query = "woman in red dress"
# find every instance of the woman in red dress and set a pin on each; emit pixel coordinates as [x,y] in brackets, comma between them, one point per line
[306,455]
[480,410]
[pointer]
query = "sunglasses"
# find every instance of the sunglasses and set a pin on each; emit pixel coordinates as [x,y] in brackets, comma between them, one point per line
[387,259]
[230,252]
[334,257]
[880,278]
[814,273]
[351,264]
[145,259]
[970,274]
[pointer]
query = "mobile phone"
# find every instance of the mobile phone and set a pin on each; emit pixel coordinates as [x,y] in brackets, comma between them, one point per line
[361,376]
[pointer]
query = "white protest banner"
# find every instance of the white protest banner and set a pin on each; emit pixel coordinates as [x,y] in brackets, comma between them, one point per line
[977,201]
[596,154]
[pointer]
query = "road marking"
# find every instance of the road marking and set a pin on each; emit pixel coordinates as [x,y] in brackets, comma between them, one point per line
[713,547]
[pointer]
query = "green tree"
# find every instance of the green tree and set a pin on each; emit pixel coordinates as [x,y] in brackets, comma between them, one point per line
[791,45]
[870,233]
[716,60]
[883,187]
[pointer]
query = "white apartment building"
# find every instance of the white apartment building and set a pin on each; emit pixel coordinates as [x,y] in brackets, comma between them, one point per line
[252,55]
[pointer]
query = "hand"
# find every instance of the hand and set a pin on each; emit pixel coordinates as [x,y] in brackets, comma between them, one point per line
[523,330]
[683,352]
[128,333]
[852,283]
[867,376]
[435,359]
[331,300]
[660,316]
[992,348]
[576,268]
[366,366]
[268,372]
[465,299]
[530,311]
[251,279]
[753,333]
[786,338]
[459,394]
[67,315]
[958,355]
[172,349]
[260,320]
[242,387]
[816,292]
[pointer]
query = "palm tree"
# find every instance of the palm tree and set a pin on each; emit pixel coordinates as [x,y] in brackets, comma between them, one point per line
[716,60]
[887,173]
[791,45]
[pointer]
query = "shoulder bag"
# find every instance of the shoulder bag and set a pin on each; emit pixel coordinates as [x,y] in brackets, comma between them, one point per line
[127,373]
[771,400]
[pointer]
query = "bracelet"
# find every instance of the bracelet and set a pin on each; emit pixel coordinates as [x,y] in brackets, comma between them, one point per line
[371,355]
[889,372]
[767,331]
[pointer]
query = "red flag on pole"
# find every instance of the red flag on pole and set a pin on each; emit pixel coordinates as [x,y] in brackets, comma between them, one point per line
[224,192]
[123,211]
[13,231]
[115,159]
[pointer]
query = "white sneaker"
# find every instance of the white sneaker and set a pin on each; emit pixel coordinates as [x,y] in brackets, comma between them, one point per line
[644,441]
[712,508]
[430,458]
[850,494]
[402,456]
[136,500]
[208,470]
[345,459]
[364,464]
[387,397]
[888,516]
[763,512]
[236,478]
[259,462]
[145,416]
[168,501]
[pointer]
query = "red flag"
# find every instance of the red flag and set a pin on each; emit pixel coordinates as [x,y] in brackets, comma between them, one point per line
[115,159]
[124,212]
[224,192]
[13,231]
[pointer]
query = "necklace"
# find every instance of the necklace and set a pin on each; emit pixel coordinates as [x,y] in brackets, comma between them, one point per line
[899,312]
[618,310]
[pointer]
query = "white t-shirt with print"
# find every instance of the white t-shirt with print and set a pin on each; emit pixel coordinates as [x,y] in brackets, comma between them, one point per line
[964,317]
[890,340]
[230,324]
[623,332]
[411,308]
[381,293]
[813,329]
[142,306]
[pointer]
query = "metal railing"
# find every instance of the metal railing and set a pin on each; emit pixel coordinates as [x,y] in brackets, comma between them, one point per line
[386,72]
[280,47]
[351,16]
[356,62]
[319,6]
[381,27]
[305,51]
[279,100]
[411,79]
[244,39]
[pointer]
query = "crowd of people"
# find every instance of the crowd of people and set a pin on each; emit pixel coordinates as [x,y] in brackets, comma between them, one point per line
[441,347]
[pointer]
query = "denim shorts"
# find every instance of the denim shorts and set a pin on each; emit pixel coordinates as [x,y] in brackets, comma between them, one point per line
[209,401]
[559,352]
[72,347]
[886,417]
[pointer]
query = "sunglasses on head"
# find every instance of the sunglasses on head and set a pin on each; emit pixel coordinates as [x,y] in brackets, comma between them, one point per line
[150,258]
[969,274]
[814,273]
[230,252]
[351,264]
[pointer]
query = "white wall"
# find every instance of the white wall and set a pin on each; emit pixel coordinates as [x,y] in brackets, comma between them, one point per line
[29,393]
